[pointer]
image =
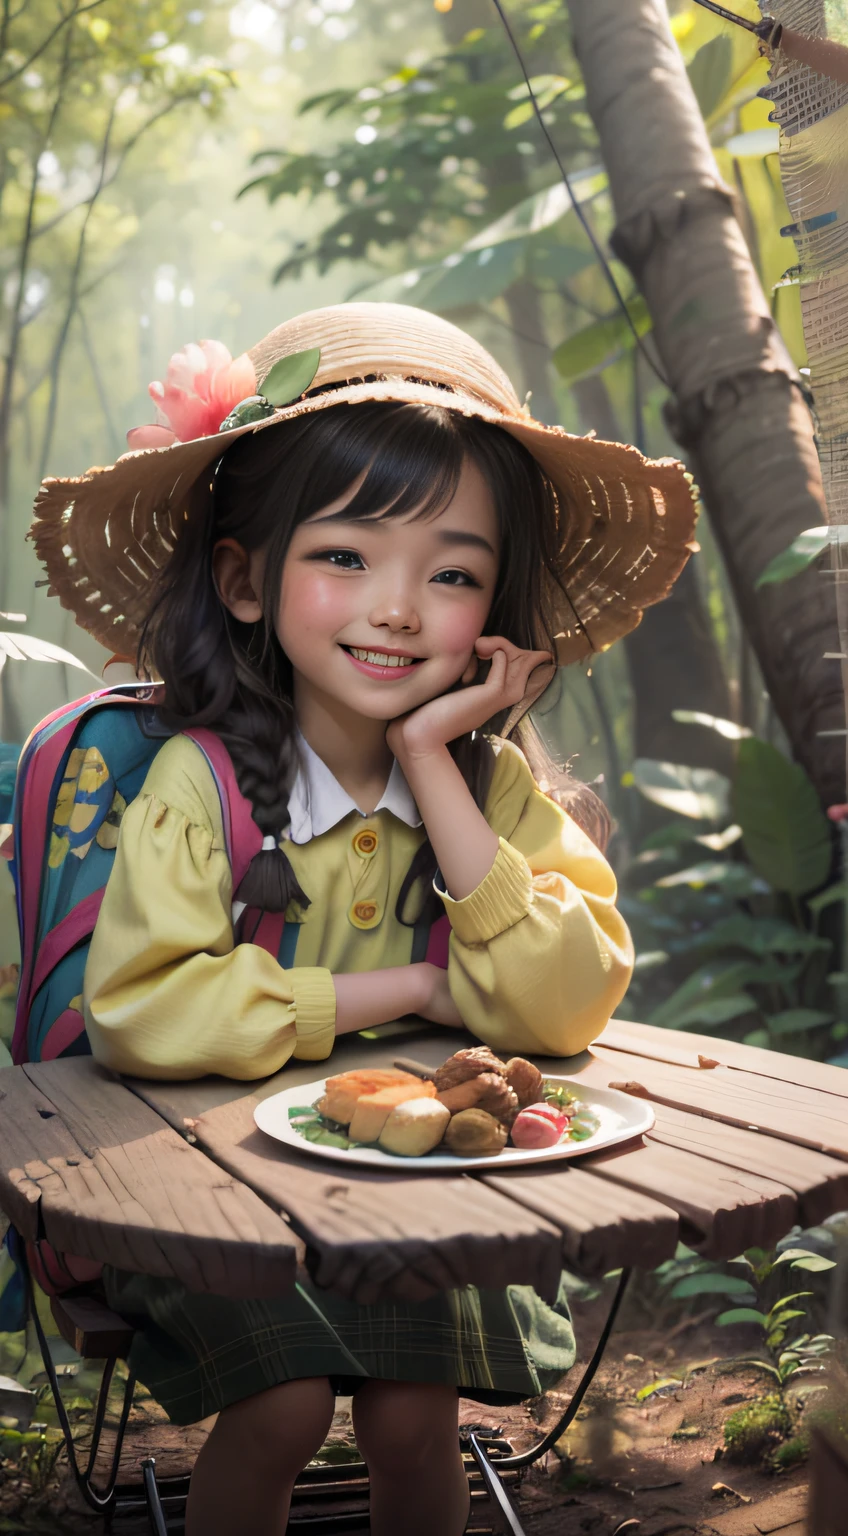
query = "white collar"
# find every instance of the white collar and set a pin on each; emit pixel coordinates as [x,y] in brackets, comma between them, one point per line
[317,801]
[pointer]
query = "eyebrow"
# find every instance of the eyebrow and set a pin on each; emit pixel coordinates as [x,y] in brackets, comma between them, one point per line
[450,536]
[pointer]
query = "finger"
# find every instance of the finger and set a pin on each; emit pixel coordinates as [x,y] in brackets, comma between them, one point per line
[488,644]
[470,672]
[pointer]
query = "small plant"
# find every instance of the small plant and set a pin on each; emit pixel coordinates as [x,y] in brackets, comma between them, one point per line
[803,1354]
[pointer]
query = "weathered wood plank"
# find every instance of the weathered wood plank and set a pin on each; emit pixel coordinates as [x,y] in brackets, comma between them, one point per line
[677,1045]
[374,1235]
[789,1112]
[604,1225]
[820,1183]
[724,1209]
[100,1174]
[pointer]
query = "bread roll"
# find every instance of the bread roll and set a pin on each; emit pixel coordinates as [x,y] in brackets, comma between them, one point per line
[415,1127]
[373,1109]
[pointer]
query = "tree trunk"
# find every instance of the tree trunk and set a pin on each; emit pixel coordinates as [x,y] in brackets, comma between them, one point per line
[737,404]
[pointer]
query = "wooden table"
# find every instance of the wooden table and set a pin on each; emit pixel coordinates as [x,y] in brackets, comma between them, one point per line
[174,1179]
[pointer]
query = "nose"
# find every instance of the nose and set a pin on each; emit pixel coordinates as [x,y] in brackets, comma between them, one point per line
[395,609]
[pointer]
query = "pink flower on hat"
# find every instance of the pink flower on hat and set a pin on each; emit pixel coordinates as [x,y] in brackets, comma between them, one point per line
[203,384]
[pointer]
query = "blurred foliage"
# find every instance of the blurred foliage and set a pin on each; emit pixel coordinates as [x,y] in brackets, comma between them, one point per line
[728,902]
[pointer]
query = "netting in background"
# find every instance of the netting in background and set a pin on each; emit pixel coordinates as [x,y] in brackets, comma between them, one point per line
[811,111]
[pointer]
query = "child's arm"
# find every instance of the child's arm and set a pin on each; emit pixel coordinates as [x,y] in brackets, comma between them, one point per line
[167,991]
[539,955]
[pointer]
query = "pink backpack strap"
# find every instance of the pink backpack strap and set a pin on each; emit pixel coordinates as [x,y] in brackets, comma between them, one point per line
[244,839]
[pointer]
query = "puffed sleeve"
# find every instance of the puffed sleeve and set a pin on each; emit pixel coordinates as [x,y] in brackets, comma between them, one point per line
[539,955]
[167,991]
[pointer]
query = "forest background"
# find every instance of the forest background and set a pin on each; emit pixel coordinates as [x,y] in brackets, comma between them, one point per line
[170,172]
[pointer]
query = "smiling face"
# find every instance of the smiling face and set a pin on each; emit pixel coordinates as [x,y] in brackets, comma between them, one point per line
[381,615]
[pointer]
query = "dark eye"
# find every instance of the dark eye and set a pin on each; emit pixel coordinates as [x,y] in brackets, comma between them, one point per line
[343,559]
[456,579]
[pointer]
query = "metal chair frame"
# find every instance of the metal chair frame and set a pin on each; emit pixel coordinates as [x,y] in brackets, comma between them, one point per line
[486,1446]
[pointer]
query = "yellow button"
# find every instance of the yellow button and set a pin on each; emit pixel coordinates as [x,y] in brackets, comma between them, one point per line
[365,842]
[365,914]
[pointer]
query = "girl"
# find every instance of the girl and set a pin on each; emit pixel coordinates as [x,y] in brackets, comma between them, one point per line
[356,590]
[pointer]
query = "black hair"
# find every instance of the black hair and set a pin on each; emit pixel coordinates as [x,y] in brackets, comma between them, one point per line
[235,677]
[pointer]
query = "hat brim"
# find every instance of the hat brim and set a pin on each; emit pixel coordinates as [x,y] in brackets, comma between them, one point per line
[626,523]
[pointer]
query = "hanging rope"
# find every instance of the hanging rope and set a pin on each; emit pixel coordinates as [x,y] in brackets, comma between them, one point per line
[590,233]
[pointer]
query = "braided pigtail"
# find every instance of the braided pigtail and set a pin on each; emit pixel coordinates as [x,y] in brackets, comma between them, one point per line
[232,678]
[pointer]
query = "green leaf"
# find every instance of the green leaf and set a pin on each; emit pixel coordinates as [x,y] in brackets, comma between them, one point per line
[718,1011]
[290,377]
[712,1285]
[826,898]
[597,344]
[760,936]
[522,239]
[699,793]
[759,1038]
[663,1385]
[741,1315]
[801,553]
[754,144]
[720,978]
[802,1258]
[710,72]
[785,832]
[794,1021]
[735,880]
[726,728]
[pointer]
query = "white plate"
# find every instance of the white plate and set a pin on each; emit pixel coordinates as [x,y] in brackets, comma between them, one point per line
[621,1117]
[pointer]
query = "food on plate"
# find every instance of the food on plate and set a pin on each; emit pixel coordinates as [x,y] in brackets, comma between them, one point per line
[342,1092]
[473,1105]
[372,1110]
[466,1064]
[415,1127]
[525,1080]
[539,1125]
[488,1091]
[474,1133]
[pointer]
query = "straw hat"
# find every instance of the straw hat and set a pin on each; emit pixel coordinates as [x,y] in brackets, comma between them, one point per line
[625,523]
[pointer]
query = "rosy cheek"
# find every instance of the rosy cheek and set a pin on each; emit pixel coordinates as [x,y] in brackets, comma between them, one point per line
[458,630]
[311,604]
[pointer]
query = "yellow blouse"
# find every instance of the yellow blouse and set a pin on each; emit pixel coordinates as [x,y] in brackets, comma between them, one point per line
[539,956]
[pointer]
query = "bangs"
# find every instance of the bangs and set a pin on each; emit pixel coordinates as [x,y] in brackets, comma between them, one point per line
[411,460]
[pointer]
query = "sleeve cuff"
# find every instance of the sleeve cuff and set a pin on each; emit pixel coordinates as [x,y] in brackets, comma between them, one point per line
[499,901]
[315,1012]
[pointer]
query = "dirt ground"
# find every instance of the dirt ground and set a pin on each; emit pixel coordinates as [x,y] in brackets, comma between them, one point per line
[653,1467]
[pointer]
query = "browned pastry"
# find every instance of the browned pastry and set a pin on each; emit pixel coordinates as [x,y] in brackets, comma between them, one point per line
[525,1079]
[465,1064]
[487,1091]
[473,1133]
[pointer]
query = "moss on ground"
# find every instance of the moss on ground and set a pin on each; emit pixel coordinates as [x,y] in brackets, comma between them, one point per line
[754,1431]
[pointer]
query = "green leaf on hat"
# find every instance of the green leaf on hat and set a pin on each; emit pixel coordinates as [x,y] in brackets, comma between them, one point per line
[290,377]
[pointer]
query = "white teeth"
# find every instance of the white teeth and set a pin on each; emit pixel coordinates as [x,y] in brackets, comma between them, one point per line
[381,659]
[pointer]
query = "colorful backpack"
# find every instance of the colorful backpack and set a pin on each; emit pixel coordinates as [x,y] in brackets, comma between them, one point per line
[77,773]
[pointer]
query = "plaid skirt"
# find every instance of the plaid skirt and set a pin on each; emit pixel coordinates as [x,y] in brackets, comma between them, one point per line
[198,1354]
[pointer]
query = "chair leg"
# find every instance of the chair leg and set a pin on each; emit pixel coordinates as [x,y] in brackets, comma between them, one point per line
[155,1512]
[100,1499]
[494,1487]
